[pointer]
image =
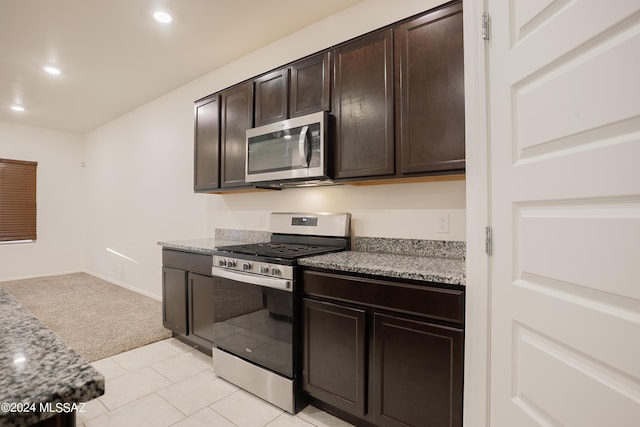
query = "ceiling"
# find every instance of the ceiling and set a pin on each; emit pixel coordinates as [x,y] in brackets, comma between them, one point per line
[114,56]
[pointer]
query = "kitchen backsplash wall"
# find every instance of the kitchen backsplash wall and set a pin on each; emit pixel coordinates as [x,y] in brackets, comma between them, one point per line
[243,235]
[415,247]
[450,249]
[409,211]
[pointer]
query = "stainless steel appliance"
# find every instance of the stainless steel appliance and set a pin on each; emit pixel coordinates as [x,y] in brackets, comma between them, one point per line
[256,328]
[291,151]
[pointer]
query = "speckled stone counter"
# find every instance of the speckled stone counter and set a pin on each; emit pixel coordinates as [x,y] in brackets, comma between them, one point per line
[425,260]
[199,246]
[223,237]
[412,247]
[430,269]
[37,367]
[437,261]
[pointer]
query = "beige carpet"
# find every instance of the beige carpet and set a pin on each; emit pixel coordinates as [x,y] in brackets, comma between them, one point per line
[94,317]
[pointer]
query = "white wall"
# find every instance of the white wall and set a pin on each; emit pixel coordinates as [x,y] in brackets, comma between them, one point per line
[140,168]
[60,225]
[410,211]
[140,177]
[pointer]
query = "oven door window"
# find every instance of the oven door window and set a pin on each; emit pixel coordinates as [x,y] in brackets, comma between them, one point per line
[254,323]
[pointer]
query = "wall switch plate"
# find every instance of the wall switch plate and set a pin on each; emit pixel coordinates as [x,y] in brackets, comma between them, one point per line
[443,223]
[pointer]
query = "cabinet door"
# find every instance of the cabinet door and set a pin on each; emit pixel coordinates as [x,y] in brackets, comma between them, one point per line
[363,106]
[334,355]
[310,85]
[236,117]
[272,97]
[201,306]
[174,299]
[417,373]
[430,92]
[206,170]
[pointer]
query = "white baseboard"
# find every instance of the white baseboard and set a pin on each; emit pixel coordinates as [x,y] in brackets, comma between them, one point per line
[99,276]
[124,285]
[35,276]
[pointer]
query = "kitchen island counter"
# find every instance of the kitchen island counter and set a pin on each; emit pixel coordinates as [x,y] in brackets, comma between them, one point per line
[38,371]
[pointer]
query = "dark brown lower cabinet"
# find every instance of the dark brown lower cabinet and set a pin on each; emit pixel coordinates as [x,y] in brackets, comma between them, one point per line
[174,299]
[187,297]
[371,362]
[334,352]
[417,373]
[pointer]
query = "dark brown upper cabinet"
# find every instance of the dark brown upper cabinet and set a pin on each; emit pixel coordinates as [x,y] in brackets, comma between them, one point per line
[397,95]
[272,97]
[429,79]
[299,89]
[310,85]
[363,107]
[206,170]
[236,117]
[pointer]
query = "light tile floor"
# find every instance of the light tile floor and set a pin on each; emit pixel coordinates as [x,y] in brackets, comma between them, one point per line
[167,383]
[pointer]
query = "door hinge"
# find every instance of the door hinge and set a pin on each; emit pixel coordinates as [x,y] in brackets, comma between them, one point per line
[485,26]
[488,241]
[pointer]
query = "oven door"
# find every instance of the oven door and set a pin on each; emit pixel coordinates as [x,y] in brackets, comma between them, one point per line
[290,149]
[253,319]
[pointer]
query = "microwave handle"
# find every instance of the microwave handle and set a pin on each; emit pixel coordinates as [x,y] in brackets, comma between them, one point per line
[304,146]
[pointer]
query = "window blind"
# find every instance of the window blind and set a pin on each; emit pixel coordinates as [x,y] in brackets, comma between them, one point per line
[17,200]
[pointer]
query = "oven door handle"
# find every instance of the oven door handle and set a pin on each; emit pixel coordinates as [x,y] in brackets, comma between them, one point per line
[252,279]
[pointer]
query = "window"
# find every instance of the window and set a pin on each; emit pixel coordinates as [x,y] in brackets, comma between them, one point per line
[17,200]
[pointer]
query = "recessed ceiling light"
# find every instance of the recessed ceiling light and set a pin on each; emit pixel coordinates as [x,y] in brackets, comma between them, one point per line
[17,107]
[54,71]
[163,17]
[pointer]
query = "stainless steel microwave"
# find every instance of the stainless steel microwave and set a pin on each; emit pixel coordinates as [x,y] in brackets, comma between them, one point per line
[291,150]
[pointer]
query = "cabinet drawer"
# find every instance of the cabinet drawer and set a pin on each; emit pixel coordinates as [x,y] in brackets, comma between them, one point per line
[437,303]
[197,263]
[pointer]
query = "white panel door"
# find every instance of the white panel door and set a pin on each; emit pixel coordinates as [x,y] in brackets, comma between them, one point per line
[564,108]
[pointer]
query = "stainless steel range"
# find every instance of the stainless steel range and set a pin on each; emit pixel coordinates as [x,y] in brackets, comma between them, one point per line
[256,327]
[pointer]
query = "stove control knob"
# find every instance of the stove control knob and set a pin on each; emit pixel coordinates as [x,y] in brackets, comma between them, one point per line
[247,266]
[231,263]
[264,269]
[222,262]
[276,271]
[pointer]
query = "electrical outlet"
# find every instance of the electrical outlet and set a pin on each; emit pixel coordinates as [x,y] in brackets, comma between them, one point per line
[443,223]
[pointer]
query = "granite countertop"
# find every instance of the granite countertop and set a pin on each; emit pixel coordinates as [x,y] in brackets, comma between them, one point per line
[37,367]
[413,267]
[200,246]
[423,260]
[223,237]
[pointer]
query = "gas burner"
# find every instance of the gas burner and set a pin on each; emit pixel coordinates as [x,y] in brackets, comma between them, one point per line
[288,251]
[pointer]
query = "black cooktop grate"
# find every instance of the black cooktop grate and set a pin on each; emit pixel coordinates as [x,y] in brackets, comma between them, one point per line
[278,250]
